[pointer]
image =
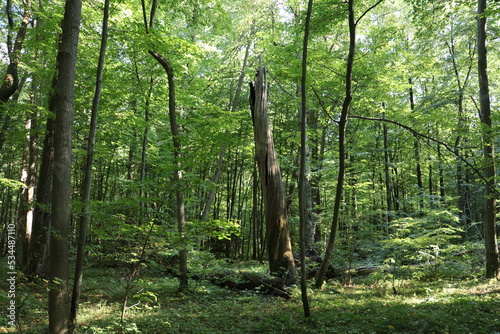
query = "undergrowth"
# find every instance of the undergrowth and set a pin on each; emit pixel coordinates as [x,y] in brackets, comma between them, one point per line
[384,302]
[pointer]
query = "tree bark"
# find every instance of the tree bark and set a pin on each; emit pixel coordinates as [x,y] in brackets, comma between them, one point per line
[174,127]
[416,151]
[352,23]
[463,188]
[305,210]
[387,174]
[40,239]
[278,238]
[64,96]
[489,216]
[341,147]
[87,182]
[27,194]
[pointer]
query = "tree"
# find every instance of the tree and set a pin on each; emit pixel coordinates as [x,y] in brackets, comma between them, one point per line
[303,168]
[279,246]
[64,96]
[174,128]
[352,23]
[87,184]
[490,209]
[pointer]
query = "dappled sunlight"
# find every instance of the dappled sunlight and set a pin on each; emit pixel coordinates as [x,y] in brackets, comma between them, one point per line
[365,305]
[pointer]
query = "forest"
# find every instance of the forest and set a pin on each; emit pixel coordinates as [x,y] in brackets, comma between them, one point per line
[249,166]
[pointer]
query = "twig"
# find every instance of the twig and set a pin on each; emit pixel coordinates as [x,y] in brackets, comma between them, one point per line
[448,147]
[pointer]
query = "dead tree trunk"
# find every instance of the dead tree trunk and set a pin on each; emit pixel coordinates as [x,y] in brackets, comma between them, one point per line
[278,239]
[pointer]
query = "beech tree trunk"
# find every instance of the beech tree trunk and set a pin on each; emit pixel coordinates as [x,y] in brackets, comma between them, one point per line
[64,97]
[416,150]
[40,239]
[174,128]
[181,220]
[346,106]
[463,188]
[305,198]
[489,217]
[387,174]
[87,182]
[341,146]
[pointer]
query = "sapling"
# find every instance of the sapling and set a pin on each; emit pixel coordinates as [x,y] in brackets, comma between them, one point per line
[132,276]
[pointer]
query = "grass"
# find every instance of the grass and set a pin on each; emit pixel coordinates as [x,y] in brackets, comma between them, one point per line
[365,305]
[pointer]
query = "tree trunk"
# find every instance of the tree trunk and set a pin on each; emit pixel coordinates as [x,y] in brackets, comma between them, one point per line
[278,239]
[174,128]
[87,182]
[40,239]
[352,23]
[416,150]
[64,96]
[489,218]
[181,220]
[25,207]
[317,153]
[341,146]
[387,174]
[58,269]
[305,197]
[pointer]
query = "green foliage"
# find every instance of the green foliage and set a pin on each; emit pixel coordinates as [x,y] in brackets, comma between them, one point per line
[423,45]
[416,239]
[366,305]
[219,229]
[13,184]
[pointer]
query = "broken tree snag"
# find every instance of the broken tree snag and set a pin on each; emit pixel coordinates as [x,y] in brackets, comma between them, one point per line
[279,245]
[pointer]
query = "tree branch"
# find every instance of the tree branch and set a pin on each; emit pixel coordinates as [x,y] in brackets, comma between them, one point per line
[368,10]
[421,135]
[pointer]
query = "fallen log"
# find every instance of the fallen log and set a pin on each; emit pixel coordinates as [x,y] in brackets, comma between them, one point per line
[314,261]
[359,271]
[247,280]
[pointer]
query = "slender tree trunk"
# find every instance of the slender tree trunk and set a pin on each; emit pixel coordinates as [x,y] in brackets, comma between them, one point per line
[144,146]
[352,23]
[317,154]
[41,217]
[341,146]
[416,151]
[304,191]
[442,192]
[27,195]
[489,218]
[387,174]
[463,189]
[309,223]
[64,96]
[174,127]
[87,182]
[277,235]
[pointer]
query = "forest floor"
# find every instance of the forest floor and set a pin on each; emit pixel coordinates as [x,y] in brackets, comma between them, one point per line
[379,303]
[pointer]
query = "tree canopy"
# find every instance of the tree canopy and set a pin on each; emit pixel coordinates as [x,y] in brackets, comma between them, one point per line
[402,97]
